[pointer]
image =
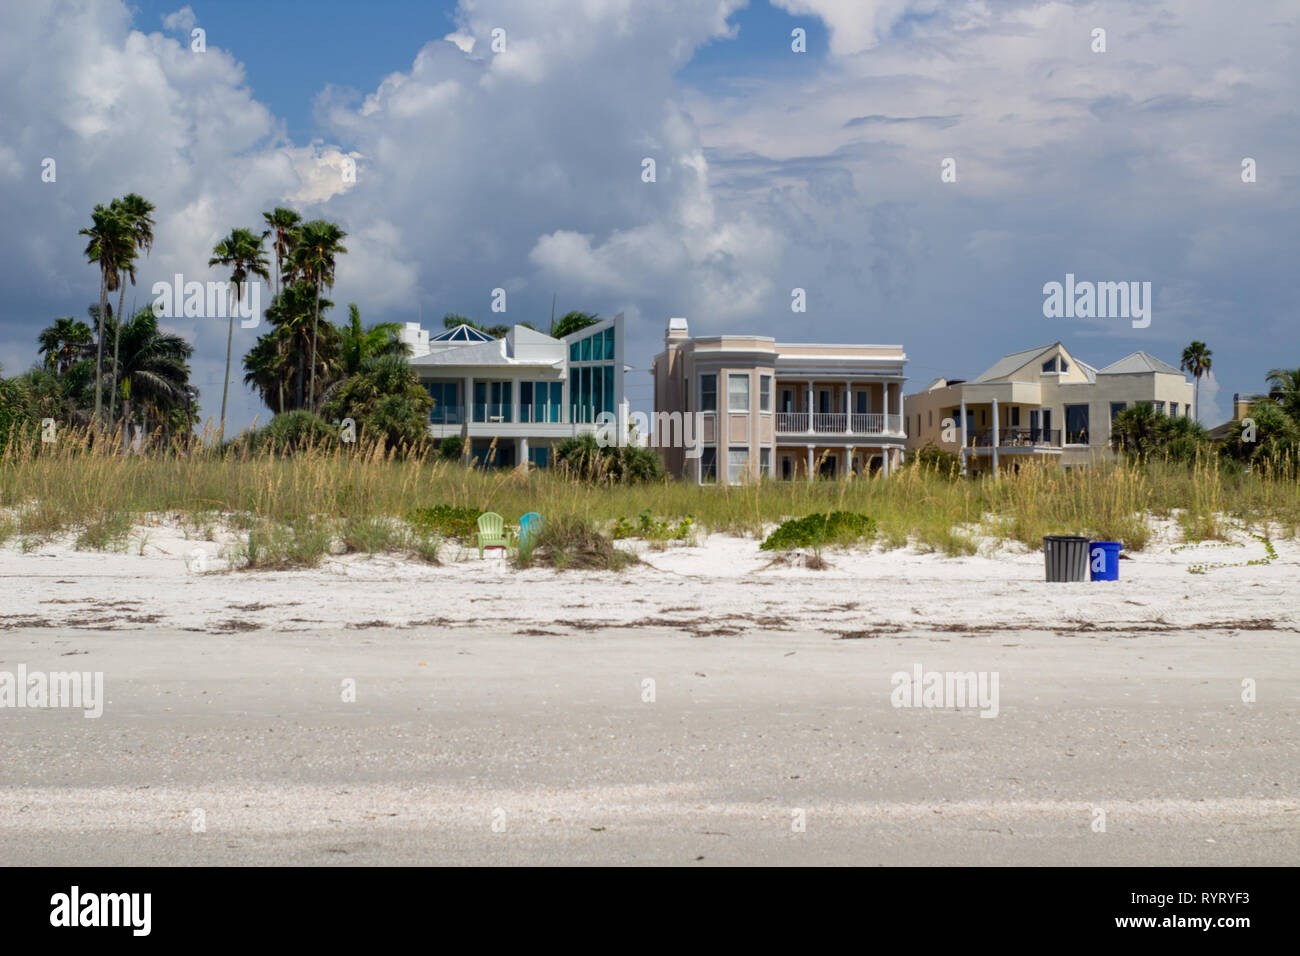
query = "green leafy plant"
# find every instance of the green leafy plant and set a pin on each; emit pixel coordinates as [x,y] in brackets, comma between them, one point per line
[819,530]
[447,521]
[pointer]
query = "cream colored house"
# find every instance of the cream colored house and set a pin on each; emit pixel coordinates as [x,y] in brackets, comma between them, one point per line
[780,410]
[1040,403]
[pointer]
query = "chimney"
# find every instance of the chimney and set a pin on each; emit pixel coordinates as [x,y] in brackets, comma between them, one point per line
[678,332]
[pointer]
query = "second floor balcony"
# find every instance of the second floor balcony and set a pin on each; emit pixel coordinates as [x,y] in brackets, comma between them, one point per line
[838,423]
[1018,438]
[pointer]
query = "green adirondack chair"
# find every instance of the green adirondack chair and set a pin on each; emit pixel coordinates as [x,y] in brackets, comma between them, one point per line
[492,532]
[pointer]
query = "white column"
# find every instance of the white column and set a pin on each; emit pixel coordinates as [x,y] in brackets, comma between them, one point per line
[884,461]
[523,451]
[810,459]
[995,437]
[514,400]
[848,407]
[810,408]
[963,436]
[848,459]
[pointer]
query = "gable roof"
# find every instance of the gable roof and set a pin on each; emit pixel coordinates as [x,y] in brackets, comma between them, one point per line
[1139,362]
[1010,363]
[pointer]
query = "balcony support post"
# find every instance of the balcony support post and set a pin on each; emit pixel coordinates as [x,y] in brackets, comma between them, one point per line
[963,435]
[995,438]
[810,453]
[810,408]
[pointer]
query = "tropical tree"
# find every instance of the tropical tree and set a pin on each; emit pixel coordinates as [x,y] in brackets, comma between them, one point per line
[135,211]
[67,341]
[242,251]
[276,366]
[1136,430]
[358,344]
[152,371]
[319,245]
[386,400]
[1284,388]
[1196,362]
[572,322]
[283,229]
[110,244]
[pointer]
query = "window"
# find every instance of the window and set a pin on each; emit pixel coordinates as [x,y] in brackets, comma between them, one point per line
[1187,411]
[709,463]
[1065,366]
[1076,424]
[983,417]
[709,392]
[1160,408]
[573,351]
[765,462]
[787,467]
[1050,364]
[824,401]
[929,423]
[787,400]
[737,393]
[1013,416]
[862,406]
[446,402]
[1116,408]
[586,349]
[765,393]
[539,457]
[737,464]
[609,344]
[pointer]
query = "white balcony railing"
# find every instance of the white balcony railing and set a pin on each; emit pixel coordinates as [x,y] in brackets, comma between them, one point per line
[838,423]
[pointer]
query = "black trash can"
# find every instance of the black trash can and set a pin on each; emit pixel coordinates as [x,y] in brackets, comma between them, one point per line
[1066,556]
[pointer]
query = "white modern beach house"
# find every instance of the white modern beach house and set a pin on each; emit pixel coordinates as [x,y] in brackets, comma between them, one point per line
[512,399]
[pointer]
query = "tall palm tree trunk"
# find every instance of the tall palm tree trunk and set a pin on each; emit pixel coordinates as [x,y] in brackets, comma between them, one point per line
[99,358]
[225,383]
[117,335]
[315,327]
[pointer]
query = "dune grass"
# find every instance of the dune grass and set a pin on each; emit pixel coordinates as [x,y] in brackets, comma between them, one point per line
[292,507]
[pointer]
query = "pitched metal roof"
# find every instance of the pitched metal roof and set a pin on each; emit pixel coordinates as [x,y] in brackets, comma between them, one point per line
[1009,363]
[1139,362]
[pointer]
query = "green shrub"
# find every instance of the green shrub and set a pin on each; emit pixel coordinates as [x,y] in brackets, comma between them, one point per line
[945,464]
[452,448]
[570,543]
[820,529]
[447,521]
[654,529]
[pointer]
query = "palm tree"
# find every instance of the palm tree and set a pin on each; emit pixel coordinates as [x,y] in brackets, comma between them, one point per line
[385,396]
[319,243]
[135,210]
[65,342]
[241,250]
[1284,388]
[110,237]
[359,344]
[284,227]
[1137,430]
[571,322]
[153,371]
[276,366]
[1196,361]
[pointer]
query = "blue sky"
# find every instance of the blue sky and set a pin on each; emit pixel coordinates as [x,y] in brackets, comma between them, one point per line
[520,169]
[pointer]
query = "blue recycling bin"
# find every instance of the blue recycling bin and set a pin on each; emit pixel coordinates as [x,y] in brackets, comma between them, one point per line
[1103,560]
